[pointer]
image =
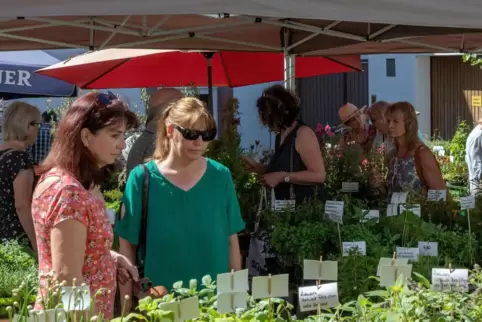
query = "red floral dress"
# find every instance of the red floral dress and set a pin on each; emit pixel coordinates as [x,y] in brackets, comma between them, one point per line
[67,199]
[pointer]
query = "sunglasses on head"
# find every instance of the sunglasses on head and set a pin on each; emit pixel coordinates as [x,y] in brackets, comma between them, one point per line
[106,98]
[193,135]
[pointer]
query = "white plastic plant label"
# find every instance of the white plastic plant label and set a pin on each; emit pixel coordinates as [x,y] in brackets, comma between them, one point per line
[359,246]
[334,211]
[437,195]
[324,296]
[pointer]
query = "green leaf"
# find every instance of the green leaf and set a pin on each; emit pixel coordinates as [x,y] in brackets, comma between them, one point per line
[177,285]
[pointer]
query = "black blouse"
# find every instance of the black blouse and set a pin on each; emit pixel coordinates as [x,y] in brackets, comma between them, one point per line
[12,162]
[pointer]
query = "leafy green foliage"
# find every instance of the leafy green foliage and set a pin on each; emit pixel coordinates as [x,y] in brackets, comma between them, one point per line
[17,264]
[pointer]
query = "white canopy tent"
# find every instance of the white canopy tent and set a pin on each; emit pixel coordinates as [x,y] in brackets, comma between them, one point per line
[442,13]
[301,27]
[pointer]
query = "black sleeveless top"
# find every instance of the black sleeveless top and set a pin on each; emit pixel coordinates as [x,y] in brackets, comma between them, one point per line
[281,161]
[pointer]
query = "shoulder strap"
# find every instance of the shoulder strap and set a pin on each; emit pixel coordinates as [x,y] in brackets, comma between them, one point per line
[143,231]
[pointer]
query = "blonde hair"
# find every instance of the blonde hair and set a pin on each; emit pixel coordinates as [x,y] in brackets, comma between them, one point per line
[184,112]
[17,118]
[410,119]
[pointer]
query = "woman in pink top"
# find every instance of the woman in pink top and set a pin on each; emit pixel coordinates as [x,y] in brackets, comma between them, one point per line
[74,235]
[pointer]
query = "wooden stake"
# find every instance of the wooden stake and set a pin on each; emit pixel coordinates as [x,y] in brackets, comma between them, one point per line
[232,289]
[269,297]
[318,309]
[394,258]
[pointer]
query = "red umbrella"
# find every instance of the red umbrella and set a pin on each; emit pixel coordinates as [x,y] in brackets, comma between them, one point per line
[130,68]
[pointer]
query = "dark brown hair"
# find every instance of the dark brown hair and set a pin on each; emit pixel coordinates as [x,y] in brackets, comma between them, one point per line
[278,107]
[410,119]
[68,152]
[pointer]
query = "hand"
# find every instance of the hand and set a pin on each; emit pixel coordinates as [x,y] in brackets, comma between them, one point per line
[251,165]
[154,292]
[273,179]
[126,271]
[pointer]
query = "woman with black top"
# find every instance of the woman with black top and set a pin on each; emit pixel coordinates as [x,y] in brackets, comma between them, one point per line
[21,122]
[297,170]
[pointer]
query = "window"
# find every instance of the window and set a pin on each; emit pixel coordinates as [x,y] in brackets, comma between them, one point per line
[391,70]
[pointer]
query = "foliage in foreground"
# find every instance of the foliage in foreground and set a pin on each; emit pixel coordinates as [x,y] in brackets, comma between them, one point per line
[403,302]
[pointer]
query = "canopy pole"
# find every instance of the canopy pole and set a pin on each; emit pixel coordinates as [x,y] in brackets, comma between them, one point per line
[289,63]
[209,57]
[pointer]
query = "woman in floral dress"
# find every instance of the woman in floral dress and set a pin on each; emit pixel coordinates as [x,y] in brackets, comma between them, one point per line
[74,235]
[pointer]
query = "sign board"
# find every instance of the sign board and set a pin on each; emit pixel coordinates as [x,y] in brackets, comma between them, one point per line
[476,101]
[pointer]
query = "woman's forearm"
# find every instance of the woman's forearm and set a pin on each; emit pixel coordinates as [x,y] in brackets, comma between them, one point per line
[235,262]
[126,289]
[25,216]
[306,177]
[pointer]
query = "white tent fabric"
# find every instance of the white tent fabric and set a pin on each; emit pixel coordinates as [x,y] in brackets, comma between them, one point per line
[443,13]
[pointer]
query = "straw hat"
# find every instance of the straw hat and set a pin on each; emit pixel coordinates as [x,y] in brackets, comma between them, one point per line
[349,111]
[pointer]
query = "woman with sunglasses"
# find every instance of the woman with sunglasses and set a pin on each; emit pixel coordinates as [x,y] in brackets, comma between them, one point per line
[193,211]
[74,234]
[20,128]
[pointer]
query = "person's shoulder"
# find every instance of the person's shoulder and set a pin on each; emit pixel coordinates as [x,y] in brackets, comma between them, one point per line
[305,131]
[217,166]
[138,171]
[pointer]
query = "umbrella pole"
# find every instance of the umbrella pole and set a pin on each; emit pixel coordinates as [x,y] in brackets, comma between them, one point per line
[209,57]
[289,62]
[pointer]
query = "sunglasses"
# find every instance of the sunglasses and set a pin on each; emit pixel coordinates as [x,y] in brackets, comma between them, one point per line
[35,123]
[193,135]
[106,98]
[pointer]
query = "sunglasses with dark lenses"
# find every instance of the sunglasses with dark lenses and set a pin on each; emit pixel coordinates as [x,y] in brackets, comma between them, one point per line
[106,98]
[193,135]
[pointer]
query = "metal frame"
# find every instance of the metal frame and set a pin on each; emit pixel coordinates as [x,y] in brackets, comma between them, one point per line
[154,34]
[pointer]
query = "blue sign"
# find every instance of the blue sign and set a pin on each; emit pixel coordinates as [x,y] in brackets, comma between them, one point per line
[18,81]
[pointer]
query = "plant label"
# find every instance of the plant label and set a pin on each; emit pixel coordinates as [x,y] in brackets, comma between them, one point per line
[390,274]
[184,310]
[416,209]
[233,282]
[399,197]
[386,261]
[452,159]
[467,202]
[284,205]
[360,247]
[428,248]
[320,271]
[446,280]
[270,286]
[229,302]
[372,214]
[325,296]
[334,211]
[392,210]
[409,253]
[437,195]
[76,298]
[349,186]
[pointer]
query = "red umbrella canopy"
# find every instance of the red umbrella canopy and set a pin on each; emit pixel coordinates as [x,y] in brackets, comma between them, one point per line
[130,68]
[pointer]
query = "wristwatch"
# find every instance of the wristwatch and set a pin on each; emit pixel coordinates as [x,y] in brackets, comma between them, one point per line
[287,179]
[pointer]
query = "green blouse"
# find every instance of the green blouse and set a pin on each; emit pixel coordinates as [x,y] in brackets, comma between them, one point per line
[187,231]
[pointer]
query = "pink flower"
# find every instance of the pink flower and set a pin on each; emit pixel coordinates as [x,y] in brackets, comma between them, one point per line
[364,162]
[319,129]
[328,130]
[381,148]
